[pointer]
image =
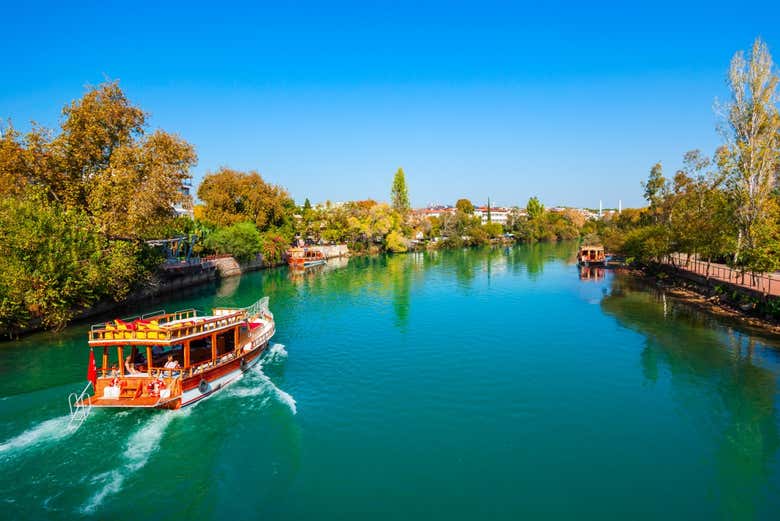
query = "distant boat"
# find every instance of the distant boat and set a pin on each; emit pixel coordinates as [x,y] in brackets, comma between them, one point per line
[301,258]
[592,255]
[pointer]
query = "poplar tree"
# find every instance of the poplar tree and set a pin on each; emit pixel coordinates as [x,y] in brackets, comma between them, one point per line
[751,158]
[399,194]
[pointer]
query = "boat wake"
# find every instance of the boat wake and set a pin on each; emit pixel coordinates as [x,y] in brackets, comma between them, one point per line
[277,353]
[45,431]
[256,383]
[138,449]
[282,396]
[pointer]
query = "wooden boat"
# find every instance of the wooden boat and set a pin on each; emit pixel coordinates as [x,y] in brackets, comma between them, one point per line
[300,258]
[171,360]
[591,256]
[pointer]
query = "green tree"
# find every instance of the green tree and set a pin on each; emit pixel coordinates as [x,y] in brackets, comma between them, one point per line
[655,186]
[534,208]
[55,262]
[395,242]
[399,195]
[465,206]
[241,240]
[493,230]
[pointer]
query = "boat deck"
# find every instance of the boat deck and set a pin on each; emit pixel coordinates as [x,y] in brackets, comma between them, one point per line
[141,401]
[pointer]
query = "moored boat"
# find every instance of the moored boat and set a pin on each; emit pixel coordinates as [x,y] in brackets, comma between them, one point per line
[171,360]
[592,255]
[299,258]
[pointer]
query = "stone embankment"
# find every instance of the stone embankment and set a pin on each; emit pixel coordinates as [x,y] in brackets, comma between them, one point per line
[228,266]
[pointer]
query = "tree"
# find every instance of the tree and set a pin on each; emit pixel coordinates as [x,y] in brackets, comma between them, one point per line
[54,262]
[751,158]
[306,205]
[396,243]
[241,240]
[399,194]
[655,189]
[465,206]
[231,196]
[102,162]
[493,229]
[534,208]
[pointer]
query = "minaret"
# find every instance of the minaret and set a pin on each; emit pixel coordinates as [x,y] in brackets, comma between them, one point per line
[620,206]
[600,209]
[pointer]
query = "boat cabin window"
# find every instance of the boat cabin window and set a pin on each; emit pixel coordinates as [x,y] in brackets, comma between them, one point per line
[160,354]
[200,350]
[137,357]
[226,343]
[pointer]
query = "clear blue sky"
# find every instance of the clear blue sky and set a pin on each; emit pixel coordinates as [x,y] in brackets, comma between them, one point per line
[568,101]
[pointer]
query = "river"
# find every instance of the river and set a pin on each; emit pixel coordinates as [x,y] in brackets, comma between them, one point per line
[469,384]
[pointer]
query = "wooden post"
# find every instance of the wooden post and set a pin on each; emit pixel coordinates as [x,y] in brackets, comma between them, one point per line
[105,360]
[186,354]
[121,360]
[213,348]
[149,360]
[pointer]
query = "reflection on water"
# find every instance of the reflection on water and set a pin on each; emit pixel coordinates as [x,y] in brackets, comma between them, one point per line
[228,286]
[707,361]
[592,272]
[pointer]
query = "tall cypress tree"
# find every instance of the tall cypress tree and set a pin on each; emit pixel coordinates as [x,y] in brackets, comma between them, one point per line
[399,194]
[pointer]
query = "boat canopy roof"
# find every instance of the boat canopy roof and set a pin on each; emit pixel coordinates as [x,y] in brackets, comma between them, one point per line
[163,328]
[592,248]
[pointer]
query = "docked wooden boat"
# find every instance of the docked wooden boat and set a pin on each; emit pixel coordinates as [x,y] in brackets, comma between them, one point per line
[171,360]
[301,258]
[591,256]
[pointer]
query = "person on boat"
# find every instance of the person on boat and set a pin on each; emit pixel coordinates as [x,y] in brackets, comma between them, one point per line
[171,363]
[129,365]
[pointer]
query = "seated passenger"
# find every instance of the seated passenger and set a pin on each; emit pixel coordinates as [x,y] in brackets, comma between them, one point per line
[171,363]
[129,365]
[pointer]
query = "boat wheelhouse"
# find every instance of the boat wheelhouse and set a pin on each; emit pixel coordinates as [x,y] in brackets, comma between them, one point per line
[171,360]
[299,258]
[591,256]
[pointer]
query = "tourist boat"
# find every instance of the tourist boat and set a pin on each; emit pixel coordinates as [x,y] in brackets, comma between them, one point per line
[591,256]
[171,360]
[299,258]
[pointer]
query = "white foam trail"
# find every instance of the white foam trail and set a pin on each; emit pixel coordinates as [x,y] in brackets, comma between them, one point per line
[282,396]
[139,448]
[276,353]
[49,430]
[266,385]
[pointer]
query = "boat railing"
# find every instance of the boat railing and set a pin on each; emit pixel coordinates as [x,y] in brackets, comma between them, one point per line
[258,308]
[80,405]
[185,323]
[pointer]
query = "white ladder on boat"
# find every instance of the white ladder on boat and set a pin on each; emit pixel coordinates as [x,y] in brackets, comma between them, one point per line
[79,413]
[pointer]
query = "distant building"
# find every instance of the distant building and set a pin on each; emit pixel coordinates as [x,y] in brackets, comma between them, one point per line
[433,211]
[498,214]
[184,207]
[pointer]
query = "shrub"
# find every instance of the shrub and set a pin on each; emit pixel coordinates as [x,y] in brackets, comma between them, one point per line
[241,240]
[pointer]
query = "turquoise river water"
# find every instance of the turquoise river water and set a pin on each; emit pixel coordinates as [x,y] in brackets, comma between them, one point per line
[474,384]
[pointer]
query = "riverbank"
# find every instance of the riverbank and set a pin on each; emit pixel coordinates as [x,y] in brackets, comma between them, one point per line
[749,308]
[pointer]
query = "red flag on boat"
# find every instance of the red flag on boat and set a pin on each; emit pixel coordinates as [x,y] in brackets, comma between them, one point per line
[91,369]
